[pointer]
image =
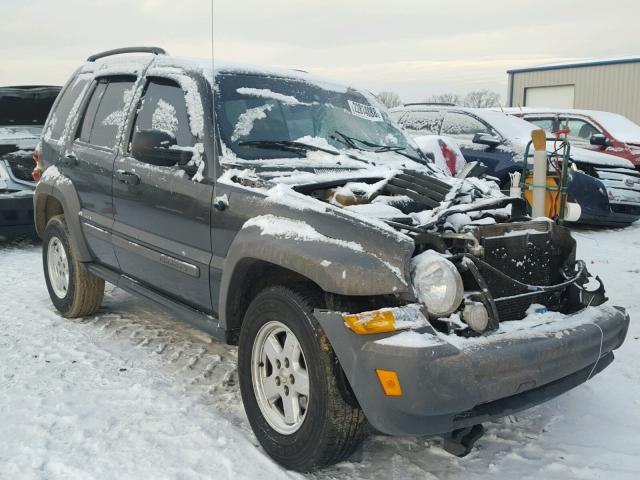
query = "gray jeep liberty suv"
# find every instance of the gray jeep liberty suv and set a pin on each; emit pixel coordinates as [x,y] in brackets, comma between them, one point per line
[289,215]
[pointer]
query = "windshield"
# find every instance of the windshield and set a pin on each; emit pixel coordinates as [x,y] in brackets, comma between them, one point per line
[255,111]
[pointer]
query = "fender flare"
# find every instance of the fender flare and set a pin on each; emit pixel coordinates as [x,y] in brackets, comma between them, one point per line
[64,192]
[335,268]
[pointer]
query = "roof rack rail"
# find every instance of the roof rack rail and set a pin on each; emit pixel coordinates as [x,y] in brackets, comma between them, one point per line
[119,51]
[431,104]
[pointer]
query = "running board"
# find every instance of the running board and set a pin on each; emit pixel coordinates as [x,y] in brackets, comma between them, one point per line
[184,312]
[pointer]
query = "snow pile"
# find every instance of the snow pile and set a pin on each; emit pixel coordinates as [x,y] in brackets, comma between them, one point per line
[130,393]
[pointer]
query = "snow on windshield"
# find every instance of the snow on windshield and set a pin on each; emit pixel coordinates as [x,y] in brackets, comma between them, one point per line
[268,109]
[266,93]
[246,121]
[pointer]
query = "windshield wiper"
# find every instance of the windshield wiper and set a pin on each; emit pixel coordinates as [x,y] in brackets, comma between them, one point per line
[376,148]
[298,147]
[288,145]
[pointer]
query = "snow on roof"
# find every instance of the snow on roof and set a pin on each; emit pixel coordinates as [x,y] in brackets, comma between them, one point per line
[578,64]
[135,63]
[508,126]
[617,125]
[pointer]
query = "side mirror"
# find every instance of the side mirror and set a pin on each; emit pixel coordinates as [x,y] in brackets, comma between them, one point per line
[486,139]
[600,140]
[155,147]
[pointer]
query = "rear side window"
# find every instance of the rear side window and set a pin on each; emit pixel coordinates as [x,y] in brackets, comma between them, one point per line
[62,110]
[424,122]
[547,124]
[164,108]
[106,111]
[90,112]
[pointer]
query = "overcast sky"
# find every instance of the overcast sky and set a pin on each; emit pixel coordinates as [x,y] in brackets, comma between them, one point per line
[413,47]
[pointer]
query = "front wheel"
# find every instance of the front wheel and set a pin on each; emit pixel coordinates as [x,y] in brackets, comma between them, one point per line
[74,291]
[290,390]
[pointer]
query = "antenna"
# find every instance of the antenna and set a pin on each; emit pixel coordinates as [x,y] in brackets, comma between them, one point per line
[213,89]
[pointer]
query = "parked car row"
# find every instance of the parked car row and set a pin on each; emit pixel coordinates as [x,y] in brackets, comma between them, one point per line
[607,187]
[290,215]
[23,111]
[600,131]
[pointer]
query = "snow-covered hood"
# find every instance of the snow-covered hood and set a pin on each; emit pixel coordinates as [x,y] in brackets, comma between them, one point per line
[599,158]
[388,191]
[582,155]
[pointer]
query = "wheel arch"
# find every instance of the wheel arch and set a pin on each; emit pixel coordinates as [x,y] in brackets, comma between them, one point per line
[53,197]
[250,276]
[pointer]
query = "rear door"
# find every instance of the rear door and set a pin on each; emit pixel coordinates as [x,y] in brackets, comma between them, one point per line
[89,160]
[162,234]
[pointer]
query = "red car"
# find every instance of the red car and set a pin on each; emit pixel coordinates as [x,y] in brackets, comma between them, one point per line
[602,131]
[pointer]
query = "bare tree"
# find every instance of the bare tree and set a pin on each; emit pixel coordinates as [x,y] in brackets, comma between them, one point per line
[449,97]
[482,99]
[390,99]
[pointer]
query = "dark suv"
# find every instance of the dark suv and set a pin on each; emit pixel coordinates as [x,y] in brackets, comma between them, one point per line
[288,214]
[23,111]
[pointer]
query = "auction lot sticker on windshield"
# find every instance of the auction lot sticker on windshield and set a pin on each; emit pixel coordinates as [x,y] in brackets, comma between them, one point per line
[365,111]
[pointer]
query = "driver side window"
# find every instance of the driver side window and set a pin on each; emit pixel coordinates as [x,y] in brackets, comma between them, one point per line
[164,108]
[580,130]
[463,126]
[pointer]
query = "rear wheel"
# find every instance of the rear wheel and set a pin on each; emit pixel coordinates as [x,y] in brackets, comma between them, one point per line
[74,291]
[290,390]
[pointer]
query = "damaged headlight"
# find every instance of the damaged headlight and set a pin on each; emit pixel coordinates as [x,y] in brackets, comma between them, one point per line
[437,283]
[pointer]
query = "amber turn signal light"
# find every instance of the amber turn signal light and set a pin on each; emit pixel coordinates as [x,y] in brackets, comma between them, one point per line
[390,383]
[367,323]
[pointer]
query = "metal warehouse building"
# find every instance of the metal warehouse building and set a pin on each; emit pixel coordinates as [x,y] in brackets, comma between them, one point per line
[611,85]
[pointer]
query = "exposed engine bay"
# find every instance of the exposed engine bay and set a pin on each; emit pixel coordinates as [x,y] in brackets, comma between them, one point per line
[505,261]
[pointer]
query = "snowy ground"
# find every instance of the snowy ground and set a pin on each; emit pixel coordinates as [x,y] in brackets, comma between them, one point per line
[133,393]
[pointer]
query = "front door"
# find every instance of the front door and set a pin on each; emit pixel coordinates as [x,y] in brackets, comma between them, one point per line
[162,234]
[462,127]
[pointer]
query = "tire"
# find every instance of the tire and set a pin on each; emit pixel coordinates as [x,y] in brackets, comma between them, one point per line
[331,427]
[84,291]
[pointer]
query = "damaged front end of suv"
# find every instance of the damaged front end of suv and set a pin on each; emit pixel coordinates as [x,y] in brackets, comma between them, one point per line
[445,303]
[499,315]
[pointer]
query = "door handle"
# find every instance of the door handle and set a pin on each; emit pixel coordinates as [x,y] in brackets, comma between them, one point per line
[127,177]
[69,160]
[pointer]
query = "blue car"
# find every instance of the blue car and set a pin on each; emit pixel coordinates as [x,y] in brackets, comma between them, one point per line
[606,187]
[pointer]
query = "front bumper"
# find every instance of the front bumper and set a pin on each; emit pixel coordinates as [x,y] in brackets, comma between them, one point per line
[450,382]
[612,199]
[594,198]
[16,213]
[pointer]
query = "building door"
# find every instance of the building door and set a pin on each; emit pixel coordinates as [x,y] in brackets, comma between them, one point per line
[560,96]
